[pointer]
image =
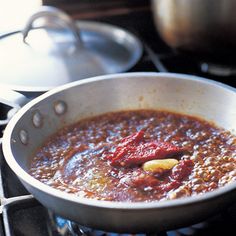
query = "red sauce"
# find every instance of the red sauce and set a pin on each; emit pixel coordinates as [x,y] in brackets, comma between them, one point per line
[102,157]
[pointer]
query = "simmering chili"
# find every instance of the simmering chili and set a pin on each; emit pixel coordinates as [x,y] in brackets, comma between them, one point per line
[141,155]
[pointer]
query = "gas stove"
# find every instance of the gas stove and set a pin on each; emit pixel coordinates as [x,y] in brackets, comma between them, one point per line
[22,215]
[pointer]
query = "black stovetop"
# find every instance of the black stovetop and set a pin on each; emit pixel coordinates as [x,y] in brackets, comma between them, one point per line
[22,215]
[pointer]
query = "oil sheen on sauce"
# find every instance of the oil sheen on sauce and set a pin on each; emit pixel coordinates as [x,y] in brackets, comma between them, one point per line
[76,159]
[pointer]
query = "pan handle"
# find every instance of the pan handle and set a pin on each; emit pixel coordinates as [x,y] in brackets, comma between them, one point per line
[13,99]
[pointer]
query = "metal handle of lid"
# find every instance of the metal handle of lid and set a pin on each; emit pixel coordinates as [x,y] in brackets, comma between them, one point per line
[57,16]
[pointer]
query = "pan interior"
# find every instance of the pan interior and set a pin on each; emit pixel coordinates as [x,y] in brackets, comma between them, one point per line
[67,104]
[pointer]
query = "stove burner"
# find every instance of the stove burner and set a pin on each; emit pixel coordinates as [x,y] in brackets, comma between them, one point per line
[220,224]
[217,70]
[66,227]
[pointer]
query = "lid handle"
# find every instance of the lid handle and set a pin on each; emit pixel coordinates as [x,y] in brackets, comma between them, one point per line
[58,17]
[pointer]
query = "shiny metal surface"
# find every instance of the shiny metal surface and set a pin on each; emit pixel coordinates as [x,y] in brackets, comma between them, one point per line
[203,27]
[62,51]
[182,93]
[55,16]
[12,99]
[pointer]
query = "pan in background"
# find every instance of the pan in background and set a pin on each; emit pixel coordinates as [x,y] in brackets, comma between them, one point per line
[204,29]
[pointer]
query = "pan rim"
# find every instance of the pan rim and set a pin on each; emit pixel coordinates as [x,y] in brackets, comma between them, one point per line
[25,177]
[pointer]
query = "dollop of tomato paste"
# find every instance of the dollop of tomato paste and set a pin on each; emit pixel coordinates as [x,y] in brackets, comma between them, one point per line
[134,150]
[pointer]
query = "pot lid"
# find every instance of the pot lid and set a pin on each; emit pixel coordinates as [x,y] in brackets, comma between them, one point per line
[62,51]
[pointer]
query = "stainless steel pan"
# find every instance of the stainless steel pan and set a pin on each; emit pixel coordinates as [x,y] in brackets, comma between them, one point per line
[204,28]
[64,105]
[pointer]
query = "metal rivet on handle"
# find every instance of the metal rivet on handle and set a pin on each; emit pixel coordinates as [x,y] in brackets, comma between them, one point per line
[24,137]
[37,119]
[60,107]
